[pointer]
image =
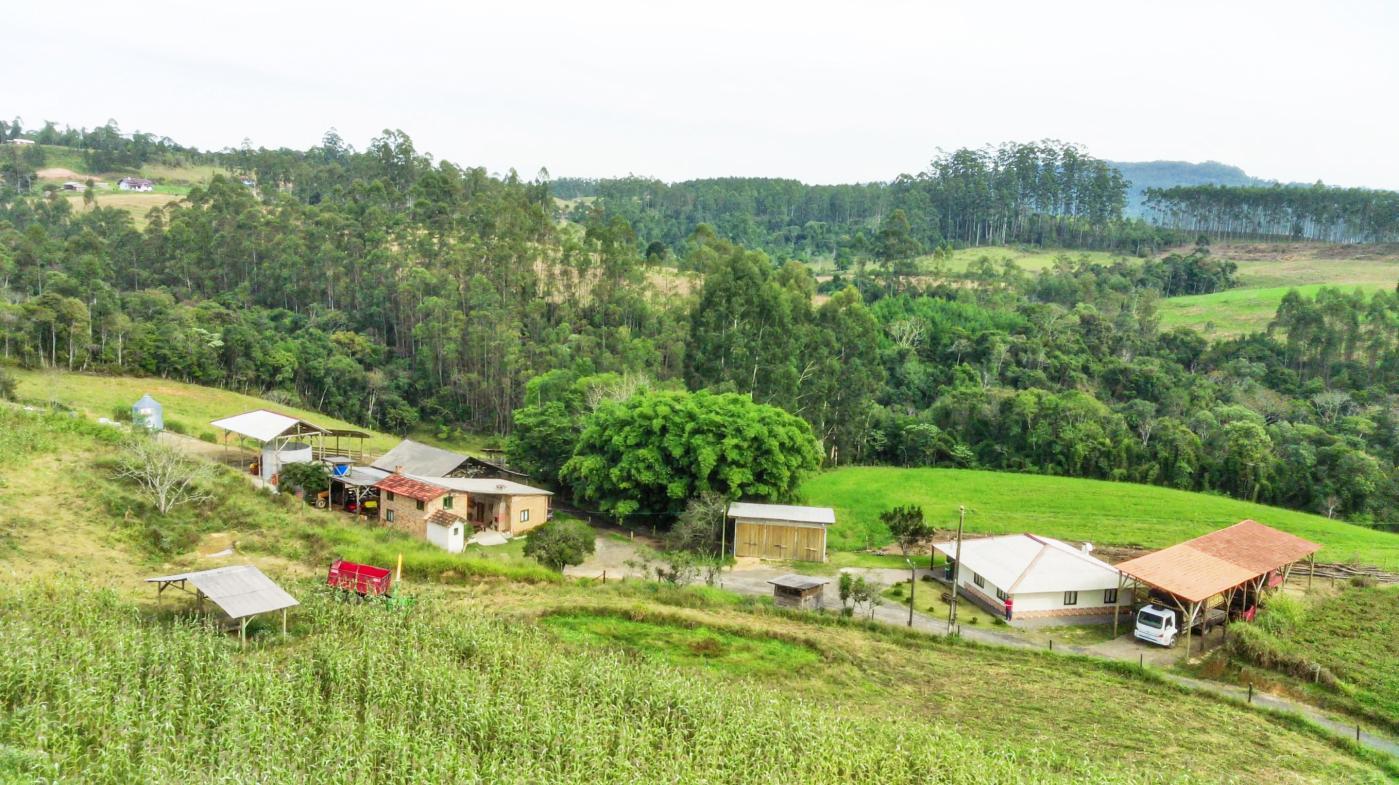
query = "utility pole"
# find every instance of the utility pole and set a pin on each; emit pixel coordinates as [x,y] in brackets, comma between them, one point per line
[912,587]
[956,568]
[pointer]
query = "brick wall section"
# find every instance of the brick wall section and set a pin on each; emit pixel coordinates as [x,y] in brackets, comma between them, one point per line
[408,518]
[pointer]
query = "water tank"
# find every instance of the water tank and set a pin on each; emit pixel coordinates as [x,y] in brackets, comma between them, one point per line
[340,466]
[274,459]
[148,413]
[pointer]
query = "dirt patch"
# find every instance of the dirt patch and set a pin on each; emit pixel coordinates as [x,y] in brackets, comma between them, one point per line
[59,173]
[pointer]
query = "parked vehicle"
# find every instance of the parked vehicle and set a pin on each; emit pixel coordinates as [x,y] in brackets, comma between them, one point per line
[1161,625]
[362,579]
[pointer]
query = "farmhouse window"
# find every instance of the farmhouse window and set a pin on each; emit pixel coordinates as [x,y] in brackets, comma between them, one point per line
[1109,596]
[447,502]
[978,580]
[389,495]
[524,516]
[388,515]
[419,504]
[1002,596]
[1070,598]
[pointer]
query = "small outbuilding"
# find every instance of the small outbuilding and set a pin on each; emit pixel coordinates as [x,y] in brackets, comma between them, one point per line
[780,531]
[240,591]
[148,413]
[798,591]
[1027,576]
[283,439]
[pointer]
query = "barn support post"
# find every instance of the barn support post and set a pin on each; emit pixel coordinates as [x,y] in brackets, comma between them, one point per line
[284,622]
[1117,607]
[243,632]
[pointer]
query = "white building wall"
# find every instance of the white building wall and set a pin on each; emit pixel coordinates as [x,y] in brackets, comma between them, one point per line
[449,538]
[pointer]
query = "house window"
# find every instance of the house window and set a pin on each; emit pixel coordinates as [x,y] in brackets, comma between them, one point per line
[1070,598]
[389,495]
[456,530]
[419,504]
[978,580]
[524,516]
[1110,596]
[388,515]
[447,502]
[1002,596]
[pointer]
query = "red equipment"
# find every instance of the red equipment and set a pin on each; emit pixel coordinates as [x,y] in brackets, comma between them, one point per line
[359,578]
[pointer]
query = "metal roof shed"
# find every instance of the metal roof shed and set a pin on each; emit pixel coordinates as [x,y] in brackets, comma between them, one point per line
[1223,562]
[780,531]
[240,591]
[278,434]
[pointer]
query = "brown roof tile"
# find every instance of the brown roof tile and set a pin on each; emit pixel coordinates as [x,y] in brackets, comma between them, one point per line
[1205,566]
[445,519]
[413,489]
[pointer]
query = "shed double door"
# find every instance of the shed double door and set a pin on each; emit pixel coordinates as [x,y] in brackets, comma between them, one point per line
[777,541]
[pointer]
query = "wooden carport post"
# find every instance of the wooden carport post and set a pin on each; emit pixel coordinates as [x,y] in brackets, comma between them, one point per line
[243,632]
[1117,607]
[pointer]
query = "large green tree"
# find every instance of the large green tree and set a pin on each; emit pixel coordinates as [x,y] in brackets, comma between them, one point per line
[652,452]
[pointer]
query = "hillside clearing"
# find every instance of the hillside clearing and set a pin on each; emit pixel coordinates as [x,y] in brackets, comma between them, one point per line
[1239,311]
[1105,513]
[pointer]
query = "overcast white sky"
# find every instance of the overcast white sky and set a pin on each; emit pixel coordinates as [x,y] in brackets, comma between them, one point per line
[823,92]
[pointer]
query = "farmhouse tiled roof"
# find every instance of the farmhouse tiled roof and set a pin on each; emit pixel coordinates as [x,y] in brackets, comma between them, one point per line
[444,519]
[407,486]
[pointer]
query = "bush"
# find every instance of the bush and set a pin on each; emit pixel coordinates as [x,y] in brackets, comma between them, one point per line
[560,543]
[208,436]
[1281,614]
[173,426]
[121,413]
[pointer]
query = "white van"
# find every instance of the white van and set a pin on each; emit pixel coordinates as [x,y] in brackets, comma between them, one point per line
[1157,625]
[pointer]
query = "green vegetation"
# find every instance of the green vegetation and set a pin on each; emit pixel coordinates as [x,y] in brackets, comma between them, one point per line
[560,543]
[1238,311]
[737,655]
[1106,513]
[927,599]
[1341,646]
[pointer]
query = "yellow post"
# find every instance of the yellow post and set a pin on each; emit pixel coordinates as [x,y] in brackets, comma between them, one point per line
[398,574]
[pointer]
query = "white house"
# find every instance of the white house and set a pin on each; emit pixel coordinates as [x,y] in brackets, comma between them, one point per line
[1025,576]
[138,184]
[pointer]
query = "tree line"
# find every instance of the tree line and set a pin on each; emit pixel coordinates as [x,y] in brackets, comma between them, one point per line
[400,292]
[1318,212]
[1043,193]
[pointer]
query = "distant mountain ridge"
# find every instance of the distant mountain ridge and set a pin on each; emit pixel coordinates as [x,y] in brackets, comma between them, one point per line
[1165,174]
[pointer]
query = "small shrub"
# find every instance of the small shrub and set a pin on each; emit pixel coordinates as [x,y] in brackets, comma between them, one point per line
[1363,582]
[174,426]
[972,620]
[928,578]
[208,436]
[1281,614]
[121,413]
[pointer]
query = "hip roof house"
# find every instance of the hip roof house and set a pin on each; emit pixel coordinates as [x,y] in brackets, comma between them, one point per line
[1026,576]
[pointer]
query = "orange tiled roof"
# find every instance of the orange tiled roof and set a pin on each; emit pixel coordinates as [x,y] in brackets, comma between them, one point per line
[413,489]
[1205,566]
[444,519]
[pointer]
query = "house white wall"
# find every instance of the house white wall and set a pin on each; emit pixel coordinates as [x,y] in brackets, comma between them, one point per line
[1033,605]
[451,539]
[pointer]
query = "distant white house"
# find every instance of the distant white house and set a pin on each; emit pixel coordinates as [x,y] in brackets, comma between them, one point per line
[74,185]
[1025,576]
[248,181]
[135,184]
[21,142]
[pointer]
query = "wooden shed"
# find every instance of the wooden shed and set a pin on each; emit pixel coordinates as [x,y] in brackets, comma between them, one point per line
[798,591]
[780,531]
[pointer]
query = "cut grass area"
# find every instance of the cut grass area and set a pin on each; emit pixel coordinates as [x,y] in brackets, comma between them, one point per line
[137,204]
[1106,513]
[1238,311]
[927,599]
[738,655]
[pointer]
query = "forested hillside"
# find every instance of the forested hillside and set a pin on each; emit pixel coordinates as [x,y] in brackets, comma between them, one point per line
[1147,175]
[393,290]
[1336,215]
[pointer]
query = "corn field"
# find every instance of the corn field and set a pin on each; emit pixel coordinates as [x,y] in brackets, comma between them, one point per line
[94,690]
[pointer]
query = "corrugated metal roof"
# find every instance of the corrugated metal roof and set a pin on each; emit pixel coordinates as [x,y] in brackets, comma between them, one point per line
[262,425]
[1029,563]
[240,590]
[782,512]
[412,457]
[1198,569]
[798,582]
[410,487]
[362,476]
[486,485]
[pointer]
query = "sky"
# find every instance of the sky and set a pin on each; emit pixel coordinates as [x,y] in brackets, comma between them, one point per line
[817,91]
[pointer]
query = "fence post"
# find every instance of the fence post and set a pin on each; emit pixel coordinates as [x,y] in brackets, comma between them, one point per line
[1051,644]
[1141,661]
[1250,692]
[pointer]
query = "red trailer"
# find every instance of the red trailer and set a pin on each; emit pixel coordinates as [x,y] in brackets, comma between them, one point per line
[359,578]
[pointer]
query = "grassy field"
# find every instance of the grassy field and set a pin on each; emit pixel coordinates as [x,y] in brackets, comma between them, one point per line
[497,676]
[1351,632]
[1238,311]
[1027,258]
[135,204]
[1105,513]
[1268,271]
[193,406]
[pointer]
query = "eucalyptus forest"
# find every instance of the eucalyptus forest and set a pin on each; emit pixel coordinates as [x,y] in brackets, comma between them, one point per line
[399,291]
